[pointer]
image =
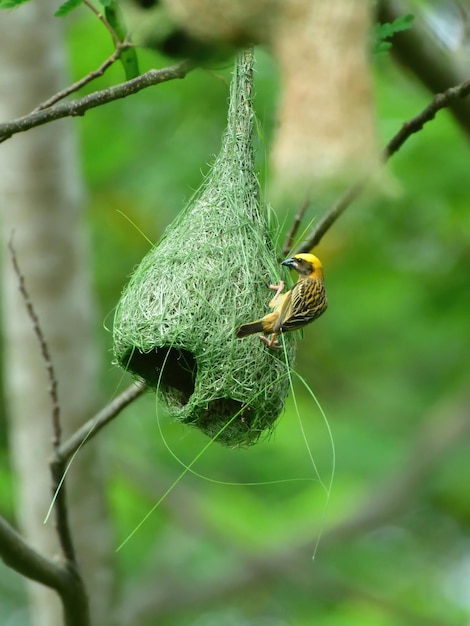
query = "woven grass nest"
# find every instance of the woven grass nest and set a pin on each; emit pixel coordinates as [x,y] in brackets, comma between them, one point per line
[175,323]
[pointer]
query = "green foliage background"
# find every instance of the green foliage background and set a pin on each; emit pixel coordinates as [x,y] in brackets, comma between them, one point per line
[394,342]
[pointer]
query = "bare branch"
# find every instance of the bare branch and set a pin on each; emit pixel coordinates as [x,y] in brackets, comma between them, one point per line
[104,21]
[98,98]
[17,555]
[83,81]
[59,495]
[294,228]
[56,428]
[120,46]
[440,101]
[330,217]
[92,427]
[57,467]
[419,51]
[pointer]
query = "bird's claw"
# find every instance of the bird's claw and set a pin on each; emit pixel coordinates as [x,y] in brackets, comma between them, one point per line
[272,345]
[277,288]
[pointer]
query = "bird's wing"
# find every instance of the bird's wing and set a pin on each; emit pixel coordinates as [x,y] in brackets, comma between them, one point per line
[281,309]
[307,302]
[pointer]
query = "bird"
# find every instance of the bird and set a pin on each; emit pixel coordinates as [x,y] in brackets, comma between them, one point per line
[296,308]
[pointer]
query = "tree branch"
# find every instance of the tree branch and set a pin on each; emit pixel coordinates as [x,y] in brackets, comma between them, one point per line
[414,125]
[17,555]
[289,241]
[60,95]
[330,217]
[44,348]
[417,50]
[91,428]
[440,101]
[98,98]
[57,467]
[104,21]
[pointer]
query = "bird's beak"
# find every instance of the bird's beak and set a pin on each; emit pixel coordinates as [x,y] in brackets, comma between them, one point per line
[290,262]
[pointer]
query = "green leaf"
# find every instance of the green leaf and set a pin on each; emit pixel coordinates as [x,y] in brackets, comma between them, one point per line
[128,57]
[11,4]
[404,22]
[114,17]
[68,6]
[382,32]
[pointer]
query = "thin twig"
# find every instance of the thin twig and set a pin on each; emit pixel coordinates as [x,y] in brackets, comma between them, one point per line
[330,217]
[45,353]
[439,101]
[120,47]
[295,227]
[104,21]
[92,427]
[98,98]
[56,466]
[83,81]
[419,51]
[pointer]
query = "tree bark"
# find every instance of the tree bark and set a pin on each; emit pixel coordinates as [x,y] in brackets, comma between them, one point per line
[41,202]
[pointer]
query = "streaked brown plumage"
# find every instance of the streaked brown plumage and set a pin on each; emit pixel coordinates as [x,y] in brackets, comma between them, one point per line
[297,307]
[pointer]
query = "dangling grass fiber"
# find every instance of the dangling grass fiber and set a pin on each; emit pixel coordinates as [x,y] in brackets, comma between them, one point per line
[175,323]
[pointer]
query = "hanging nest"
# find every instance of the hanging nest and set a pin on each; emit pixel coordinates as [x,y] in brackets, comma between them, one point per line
[175,323]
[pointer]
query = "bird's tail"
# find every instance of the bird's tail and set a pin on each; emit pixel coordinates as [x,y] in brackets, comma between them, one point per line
[249,329]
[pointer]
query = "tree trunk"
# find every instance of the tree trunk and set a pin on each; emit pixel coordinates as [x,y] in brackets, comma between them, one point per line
[41,198]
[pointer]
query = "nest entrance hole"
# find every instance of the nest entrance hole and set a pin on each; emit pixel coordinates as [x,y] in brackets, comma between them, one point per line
[171,369]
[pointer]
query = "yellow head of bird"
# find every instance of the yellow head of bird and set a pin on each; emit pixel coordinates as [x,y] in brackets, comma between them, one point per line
[306,264]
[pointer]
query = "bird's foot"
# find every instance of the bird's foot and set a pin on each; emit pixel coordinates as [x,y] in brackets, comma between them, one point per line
[272,343]
[277,288]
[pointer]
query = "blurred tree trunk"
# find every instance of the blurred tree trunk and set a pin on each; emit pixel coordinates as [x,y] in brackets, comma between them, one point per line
[419,50]
[41,199]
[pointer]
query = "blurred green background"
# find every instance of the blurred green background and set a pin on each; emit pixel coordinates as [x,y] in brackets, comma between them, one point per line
[393,346]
